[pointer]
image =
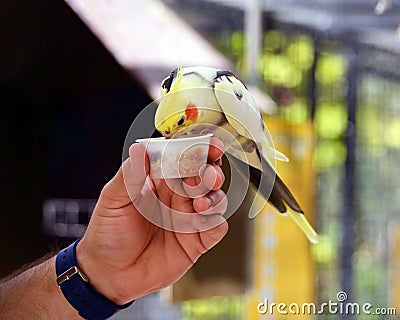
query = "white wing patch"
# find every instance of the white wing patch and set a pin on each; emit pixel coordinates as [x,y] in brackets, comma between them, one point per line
[239,107]
[243,114]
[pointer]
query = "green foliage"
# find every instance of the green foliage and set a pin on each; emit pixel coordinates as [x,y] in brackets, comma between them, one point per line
[214,308]
[331,120]
[331,68]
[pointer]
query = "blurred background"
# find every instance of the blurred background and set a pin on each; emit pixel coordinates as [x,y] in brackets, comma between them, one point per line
[325,74]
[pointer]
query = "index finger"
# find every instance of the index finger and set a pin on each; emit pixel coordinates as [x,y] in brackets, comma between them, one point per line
[215,150]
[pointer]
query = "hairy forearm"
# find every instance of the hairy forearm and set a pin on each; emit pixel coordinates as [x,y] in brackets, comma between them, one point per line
[34,294]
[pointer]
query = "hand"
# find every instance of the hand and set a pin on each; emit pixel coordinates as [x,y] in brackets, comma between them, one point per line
[125,255]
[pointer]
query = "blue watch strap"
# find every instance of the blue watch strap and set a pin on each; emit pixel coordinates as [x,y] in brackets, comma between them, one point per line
[77,290]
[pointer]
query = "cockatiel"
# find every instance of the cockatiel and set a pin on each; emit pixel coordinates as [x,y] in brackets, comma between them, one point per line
[204,99]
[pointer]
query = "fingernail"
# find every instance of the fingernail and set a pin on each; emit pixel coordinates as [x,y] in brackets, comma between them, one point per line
[209,202]
[218,162]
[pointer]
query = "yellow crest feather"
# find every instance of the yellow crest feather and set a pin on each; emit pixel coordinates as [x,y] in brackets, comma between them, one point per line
[178,80]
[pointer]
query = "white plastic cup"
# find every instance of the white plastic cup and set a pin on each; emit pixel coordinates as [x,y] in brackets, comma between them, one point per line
[177,158]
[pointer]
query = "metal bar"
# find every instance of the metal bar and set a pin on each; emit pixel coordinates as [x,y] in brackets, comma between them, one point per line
[349,214]
[253,37]
[313,84]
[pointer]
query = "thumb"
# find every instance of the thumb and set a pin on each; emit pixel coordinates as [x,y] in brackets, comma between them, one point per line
[126,185]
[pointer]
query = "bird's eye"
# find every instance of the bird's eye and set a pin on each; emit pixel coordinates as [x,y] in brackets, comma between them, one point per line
[181,121]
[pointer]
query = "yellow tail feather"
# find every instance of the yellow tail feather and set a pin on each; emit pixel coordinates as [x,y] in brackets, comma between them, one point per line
[305,226]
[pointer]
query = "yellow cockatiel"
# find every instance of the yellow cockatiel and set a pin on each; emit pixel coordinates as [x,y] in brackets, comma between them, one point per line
[199,99]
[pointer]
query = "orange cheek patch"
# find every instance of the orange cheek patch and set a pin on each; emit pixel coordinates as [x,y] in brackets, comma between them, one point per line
[191,112]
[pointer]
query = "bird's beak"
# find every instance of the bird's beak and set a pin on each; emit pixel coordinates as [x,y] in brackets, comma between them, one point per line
[167,134]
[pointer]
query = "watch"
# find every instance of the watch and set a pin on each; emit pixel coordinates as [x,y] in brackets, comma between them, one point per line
[77,290]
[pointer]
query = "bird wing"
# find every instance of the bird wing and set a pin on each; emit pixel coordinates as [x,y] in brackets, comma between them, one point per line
[242,113]
[242,116]
[238,106]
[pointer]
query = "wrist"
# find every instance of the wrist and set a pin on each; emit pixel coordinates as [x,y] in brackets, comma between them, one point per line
[99,277]
[77,289]
[60,305]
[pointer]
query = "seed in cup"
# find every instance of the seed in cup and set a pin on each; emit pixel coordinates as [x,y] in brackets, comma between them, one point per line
[177,157]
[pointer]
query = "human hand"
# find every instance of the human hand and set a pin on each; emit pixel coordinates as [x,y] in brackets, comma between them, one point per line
[125,254]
